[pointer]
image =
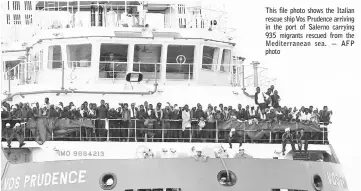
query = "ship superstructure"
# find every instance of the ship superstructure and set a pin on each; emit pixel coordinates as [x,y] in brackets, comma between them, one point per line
[76,51]
[71,43]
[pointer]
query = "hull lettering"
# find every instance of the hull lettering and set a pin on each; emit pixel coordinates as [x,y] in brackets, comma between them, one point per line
[11,183]
[45,179]
[336,180]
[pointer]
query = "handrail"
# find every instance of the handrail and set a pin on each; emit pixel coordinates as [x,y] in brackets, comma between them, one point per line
[215,137]
[65,91]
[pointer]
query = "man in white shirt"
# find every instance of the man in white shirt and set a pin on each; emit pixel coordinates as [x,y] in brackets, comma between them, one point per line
[186,121]
[47,104]
[259,98]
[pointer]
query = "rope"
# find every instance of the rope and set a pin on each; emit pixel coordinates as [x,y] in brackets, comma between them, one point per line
[5,169]
[225,167]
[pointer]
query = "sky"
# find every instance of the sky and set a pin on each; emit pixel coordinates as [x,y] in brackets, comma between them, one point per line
[310,76]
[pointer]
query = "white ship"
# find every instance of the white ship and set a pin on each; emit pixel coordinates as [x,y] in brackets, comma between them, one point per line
[132,52]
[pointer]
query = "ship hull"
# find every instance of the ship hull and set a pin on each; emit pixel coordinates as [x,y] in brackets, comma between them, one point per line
[186,173]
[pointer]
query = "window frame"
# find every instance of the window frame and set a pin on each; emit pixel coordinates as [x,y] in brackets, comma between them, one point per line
[214,65]
[52,61]
[230,61]
[191,63]
[67,55]
[127,62]
[158,64]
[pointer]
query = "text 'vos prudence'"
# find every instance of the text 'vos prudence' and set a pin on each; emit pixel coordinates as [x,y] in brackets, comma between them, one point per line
[45,179]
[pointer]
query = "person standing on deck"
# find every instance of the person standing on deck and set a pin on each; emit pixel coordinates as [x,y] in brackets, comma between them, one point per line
[174,124]
[240,113]
[166,123]
[150,121]
[141,116]
[133,115]
[146,106]
[158,123]
[101,114]
[325,119]
[199,115]
[47,104]
[275,99]
[259,99]
[186,122]
[210,125]
[125,132]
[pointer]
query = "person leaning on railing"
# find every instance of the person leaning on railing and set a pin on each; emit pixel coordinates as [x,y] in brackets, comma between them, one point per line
[23,112]
[166,122]
[133,114]
[200,116]
[210,122]
[193,122]
[100,124]
[114,131]
[125,124]
[186,123]
[325,120]
[158,112]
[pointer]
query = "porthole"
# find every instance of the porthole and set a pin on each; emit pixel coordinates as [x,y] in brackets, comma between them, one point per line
[317,182]
[108,181]
[226,180]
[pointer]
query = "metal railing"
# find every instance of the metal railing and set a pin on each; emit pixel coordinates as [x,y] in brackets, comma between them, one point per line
[168,130]
[215,74]
[263,80]
[25,73]
[65,16]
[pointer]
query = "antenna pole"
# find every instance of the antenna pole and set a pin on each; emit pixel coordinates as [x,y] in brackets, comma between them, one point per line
[62,75]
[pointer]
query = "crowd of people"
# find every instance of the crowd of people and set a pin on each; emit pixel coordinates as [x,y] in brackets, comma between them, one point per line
[169,117]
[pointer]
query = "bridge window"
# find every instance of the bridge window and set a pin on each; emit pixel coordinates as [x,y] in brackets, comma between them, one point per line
[16,5]
[176,70]
[28,19]
[210,57]
[79,55]
[28,5]
[226,61]
[8,19]
[17,19]
[55,58]
[146,58]
[113,60]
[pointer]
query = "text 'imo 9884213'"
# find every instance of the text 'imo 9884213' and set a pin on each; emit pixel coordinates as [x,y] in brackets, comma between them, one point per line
[111,61]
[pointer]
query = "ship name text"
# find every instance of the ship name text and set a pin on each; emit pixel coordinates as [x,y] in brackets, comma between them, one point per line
[336,180]
[45,180]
